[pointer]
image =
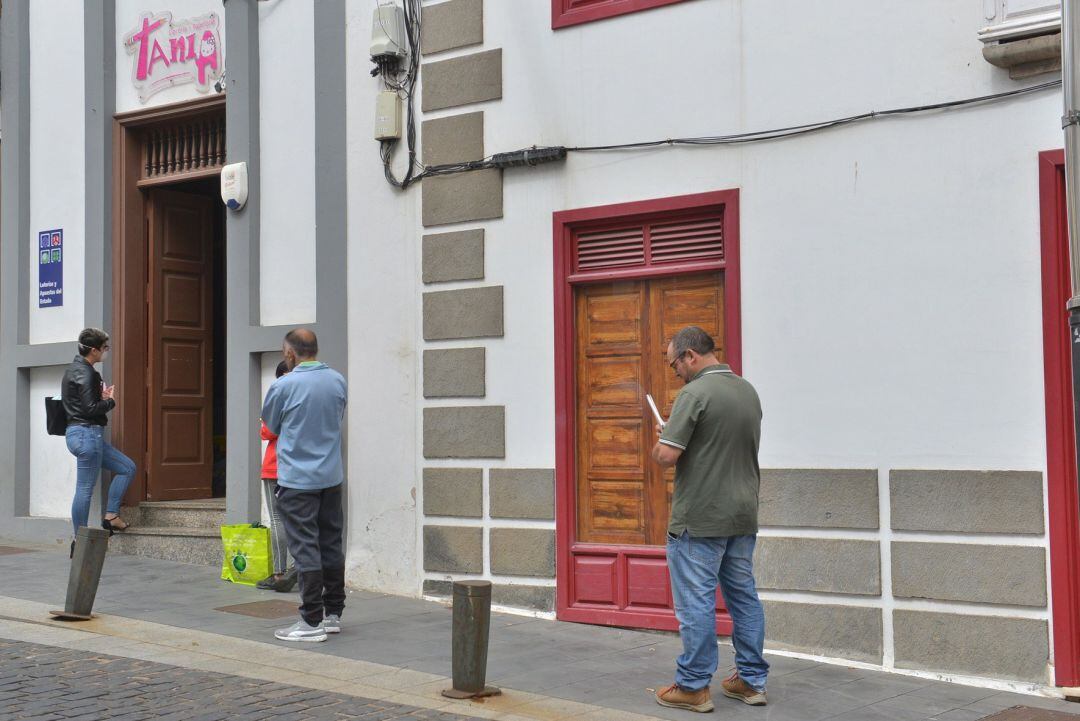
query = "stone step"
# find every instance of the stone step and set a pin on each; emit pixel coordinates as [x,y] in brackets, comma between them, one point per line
[208,514]
[201,546]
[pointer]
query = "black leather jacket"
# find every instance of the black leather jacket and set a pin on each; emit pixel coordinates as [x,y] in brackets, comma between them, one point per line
[81,394]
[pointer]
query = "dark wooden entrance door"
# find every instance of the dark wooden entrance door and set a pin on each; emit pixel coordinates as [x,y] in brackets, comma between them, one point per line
[180,334]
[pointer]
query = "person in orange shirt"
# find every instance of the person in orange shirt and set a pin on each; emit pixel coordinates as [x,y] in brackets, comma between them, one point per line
[284,576]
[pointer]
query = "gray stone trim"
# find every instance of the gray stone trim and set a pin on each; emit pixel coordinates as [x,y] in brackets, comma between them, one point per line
[454,549]
[331,199]
[45,354]
[433,587]
[454,492]
[453,139]
[819,497]
[243,368]
[99,69]
[1009,575]
[453,256]
[454,373]
[853,632]
[967,501]
[522,493]
[465,432]
[459,81]
[14,252]
[99,30]
[1026,57]
[465,313]
[818,564]
[462,198]
[451,25]
[992,646]
[247,338]
[523,552]
[535,598]
[17,356]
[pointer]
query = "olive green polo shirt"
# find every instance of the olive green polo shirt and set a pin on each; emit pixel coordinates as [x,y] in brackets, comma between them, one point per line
[716,421]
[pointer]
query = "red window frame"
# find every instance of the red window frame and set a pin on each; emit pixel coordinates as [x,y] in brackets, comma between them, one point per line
[622,559]
[565,13]
[1061,478]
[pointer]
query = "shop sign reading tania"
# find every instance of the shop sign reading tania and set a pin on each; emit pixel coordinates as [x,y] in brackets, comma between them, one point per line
[167,53]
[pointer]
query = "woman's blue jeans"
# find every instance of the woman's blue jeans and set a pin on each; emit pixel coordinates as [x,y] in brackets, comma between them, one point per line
[88,445]
[696,566]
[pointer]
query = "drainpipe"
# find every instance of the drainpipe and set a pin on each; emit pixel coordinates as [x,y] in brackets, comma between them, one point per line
[1070,123]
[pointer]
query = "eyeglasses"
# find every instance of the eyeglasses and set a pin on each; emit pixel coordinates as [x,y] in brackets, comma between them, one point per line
[677,359]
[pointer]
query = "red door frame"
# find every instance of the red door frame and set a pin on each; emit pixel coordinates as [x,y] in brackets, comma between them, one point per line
[564,225]
[1061,478]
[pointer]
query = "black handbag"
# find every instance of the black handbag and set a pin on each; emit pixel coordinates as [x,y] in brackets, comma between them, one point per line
[56,419]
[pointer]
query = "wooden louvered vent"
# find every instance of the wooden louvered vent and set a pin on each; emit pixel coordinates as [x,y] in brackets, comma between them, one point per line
[187,149]
[691,239]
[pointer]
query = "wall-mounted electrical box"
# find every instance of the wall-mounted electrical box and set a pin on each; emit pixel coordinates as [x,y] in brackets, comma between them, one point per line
[388,32]
[387,115]
[234,185]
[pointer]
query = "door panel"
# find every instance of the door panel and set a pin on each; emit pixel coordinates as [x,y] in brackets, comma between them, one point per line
[623,332]
[623,498]
[180,312]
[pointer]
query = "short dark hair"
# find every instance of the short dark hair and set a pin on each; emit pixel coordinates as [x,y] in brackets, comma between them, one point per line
[303,342]
[282,369]
[91,339]
[692,338]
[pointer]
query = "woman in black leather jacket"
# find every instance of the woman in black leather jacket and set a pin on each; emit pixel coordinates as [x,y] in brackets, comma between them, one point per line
[87,400]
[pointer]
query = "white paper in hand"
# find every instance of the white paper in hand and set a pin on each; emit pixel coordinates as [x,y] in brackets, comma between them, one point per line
[655,411]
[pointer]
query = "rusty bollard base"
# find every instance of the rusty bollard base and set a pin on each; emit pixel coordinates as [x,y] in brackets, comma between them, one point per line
[461,695]
[65,616]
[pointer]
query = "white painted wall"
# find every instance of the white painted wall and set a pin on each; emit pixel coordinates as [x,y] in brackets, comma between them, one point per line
[853,241]
[128,18]
[383,328]
[890,271]
[287,155]
[57,173]
[52,468]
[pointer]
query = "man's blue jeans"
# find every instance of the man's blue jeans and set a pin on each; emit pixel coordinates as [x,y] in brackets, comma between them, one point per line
[88,445]
[696,566]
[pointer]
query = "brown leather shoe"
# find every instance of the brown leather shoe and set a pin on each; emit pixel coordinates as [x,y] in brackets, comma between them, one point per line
[674,697]
[735,687]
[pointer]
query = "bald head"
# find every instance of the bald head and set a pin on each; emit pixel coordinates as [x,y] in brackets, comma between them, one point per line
[300,345]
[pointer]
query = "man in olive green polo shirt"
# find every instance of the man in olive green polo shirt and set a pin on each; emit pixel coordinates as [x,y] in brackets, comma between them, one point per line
[712,440]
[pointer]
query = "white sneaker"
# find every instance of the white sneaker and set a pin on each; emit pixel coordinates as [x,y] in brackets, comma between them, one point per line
[332,623]
[301,631]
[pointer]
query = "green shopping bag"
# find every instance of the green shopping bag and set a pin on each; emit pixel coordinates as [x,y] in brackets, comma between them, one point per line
[247,553]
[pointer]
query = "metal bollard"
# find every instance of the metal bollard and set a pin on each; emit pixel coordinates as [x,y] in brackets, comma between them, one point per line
[472,620]
[90,547]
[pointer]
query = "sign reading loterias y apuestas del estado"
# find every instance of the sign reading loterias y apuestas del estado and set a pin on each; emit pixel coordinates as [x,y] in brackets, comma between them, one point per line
[167,53]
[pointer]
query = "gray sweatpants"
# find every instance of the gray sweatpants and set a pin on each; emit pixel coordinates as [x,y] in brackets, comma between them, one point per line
[279,543]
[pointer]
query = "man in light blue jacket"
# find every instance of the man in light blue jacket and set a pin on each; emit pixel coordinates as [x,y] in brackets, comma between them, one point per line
[305,409]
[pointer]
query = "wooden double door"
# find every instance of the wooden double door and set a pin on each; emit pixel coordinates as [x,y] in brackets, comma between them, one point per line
[622,333]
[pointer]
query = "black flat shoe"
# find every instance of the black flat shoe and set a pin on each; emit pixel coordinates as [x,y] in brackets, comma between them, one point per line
[108,525]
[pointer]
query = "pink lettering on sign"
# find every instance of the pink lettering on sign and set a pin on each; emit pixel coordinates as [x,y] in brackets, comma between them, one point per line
[166,53]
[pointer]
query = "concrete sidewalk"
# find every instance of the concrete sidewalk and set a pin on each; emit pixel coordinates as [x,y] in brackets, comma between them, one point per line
[398,649]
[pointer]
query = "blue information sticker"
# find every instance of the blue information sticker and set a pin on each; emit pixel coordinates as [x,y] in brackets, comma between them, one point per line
[50,268]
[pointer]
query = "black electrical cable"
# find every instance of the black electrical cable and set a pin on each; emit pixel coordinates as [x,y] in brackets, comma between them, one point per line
[412,13]
[731,139]
[795,130]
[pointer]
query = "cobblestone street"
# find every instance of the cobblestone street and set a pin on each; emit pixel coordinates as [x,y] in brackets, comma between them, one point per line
[44,683]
